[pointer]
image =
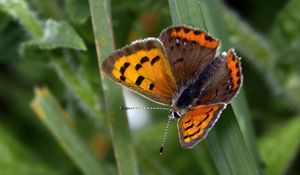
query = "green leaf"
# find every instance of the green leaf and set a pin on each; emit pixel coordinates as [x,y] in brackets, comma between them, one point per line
[231,142]
[279,146]
[52,49]
[59,35]
[78,11]
[56,35]
[19,10]
[112,93]
[88,99]
[60,125]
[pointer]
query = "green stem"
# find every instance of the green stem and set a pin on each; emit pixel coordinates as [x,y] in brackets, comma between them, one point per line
[60,125]
[113,97]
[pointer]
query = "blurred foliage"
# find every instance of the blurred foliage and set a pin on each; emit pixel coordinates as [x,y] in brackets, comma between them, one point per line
[51,44]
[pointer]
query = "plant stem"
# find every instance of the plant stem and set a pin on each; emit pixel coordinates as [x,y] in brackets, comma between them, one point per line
[113,97]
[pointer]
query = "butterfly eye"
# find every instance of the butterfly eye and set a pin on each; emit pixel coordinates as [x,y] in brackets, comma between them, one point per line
[173,114]
[176,115]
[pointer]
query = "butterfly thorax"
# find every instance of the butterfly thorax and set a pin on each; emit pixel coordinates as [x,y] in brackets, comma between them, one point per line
[191,91]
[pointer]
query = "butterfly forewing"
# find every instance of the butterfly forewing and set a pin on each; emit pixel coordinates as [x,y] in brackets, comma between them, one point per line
[196,123]
[143,68]
[188,51]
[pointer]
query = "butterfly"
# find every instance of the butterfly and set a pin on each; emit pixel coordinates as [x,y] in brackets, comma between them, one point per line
[180,69]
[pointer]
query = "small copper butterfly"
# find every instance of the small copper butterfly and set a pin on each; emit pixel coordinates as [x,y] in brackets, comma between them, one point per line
[180,69]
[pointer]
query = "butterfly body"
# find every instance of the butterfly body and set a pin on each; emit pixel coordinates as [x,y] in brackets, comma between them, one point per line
[180,69]
[191,91]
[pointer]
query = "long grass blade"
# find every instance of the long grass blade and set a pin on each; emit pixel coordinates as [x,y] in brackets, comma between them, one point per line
[59,123]
[113,98]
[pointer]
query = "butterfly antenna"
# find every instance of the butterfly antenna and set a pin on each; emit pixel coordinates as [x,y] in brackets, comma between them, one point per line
[202,18]
[164,137]
[146,108]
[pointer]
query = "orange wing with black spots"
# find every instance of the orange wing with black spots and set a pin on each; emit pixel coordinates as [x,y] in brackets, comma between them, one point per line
[226,82]
[195,124]
[188,50]
[143,68]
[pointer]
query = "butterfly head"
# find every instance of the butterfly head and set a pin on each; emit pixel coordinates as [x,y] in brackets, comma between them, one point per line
[176,113]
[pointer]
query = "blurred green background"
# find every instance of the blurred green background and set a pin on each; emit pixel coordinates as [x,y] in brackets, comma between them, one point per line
[48,52]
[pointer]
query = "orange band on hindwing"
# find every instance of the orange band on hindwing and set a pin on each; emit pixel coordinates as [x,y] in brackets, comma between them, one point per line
[195,124]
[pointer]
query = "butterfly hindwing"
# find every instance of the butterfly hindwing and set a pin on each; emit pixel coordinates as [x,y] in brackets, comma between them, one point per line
[188,50]
[195,124]
[226,81]
[142,67]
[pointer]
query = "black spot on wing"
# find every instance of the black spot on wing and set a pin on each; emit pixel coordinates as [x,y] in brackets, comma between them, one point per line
[188,121]
[186,30]
[151,86]
[208,38]
[126,64]
[177,29]
[189,127]
[122,70]
[138,66]
[155,59]
[207,115]
[144,60]
[197,32]
[196,132]
[139,80]
[211,109]
[122,77]
[124,67]
[237,65]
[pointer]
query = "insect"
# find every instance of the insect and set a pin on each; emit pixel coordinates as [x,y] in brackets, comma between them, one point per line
[180,69]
